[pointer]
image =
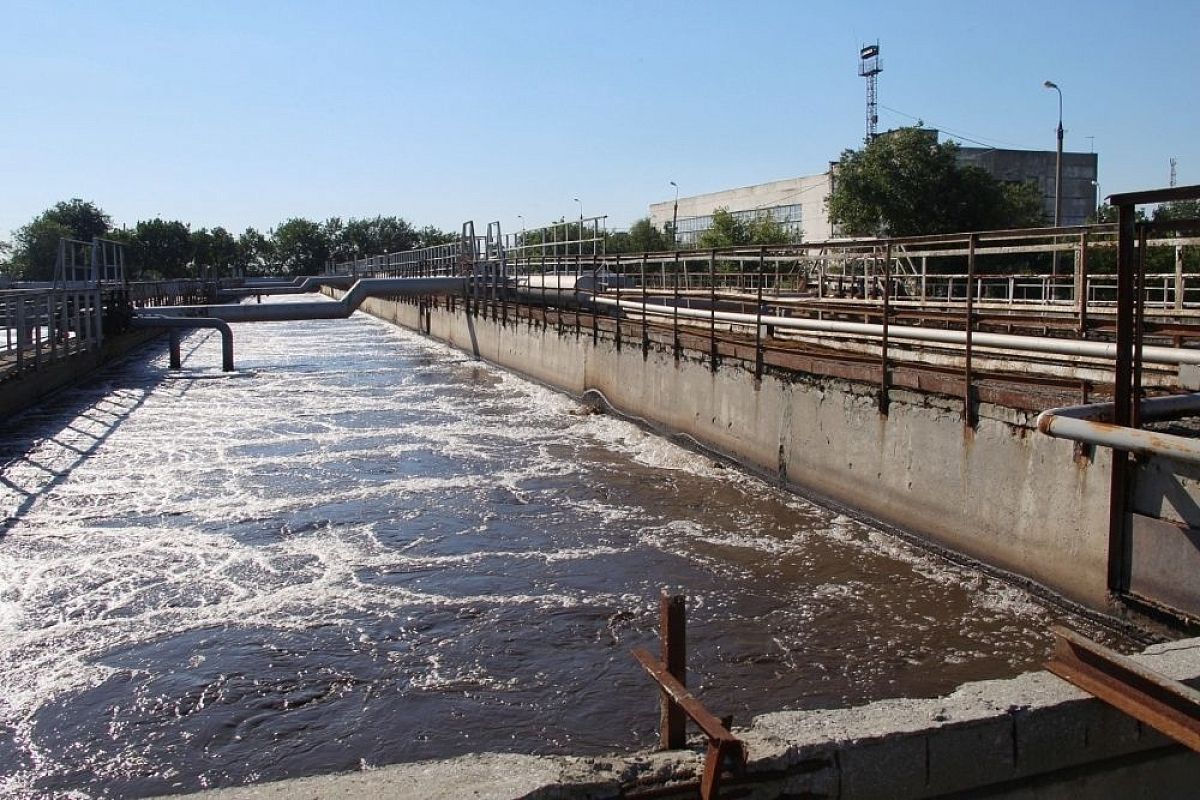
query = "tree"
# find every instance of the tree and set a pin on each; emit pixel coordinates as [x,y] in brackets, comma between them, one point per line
[256,253]
[300,247]
[161,248]
[35,246]
[904,183]
[430,236]
[765,229]
[726,230]
[642,237]
[214,253]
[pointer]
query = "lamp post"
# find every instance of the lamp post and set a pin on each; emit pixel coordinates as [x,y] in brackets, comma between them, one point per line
[675,219]
[522,229]
[1058,192]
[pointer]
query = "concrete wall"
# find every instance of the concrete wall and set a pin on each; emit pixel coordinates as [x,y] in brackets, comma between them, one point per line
[1019,166]
[1003,493]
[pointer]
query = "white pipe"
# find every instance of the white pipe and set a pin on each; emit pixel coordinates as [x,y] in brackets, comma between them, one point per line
[1089,425]
[337,309]
[1032,344]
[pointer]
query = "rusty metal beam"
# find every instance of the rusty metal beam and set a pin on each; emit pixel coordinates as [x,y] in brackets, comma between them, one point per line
[1169,706]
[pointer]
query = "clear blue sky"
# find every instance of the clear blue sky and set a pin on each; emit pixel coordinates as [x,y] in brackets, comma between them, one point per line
[246,113]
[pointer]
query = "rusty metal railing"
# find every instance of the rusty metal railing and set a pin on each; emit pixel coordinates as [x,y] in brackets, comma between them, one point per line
[1169,706]
[724,750]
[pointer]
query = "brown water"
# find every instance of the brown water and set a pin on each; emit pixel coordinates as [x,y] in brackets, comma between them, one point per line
[366,549]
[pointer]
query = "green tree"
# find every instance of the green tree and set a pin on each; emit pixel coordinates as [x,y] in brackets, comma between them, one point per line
[765,229]
[300,247]
[214,253]
[642,237]
[904,183]
[35,246]
[431,235]
[256,253]
[726,230]
[160,248]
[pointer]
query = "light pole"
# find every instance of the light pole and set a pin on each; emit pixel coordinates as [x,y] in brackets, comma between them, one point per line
[1058,192]
[675,219]
[522,229]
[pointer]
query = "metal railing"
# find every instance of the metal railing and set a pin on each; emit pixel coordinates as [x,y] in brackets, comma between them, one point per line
[47,325]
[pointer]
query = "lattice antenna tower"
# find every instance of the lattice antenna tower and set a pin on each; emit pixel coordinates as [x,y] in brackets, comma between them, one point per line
[1174,177]
[869,67]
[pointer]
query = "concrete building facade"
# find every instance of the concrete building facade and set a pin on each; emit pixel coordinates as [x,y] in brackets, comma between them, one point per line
[799,203]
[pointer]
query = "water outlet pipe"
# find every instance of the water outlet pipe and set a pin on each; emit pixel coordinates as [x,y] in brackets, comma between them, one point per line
[175,324]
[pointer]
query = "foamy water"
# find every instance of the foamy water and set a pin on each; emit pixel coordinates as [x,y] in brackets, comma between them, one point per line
[365,548]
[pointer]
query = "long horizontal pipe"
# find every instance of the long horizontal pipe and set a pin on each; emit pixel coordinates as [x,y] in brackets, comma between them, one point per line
[322,309]
[1033,344]
[155,321]
[1089,425]
[305,286]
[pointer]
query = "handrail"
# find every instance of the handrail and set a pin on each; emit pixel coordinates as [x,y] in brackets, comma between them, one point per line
[1035,344]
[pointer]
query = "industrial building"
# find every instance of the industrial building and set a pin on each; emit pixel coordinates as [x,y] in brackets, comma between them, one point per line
[798,204]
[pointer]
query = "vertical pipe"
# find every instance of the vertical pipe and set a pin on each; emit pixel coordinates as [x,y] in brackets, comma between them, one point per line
[968,394]
[176,359]
[672,631]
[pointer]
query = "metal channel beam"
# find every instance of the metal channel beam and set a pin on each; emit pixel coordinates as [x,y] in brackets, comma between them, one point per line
[1167,705]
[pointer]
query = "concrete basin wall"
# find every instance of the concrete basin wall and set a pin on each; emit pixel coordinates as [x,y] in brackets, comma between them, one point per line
[1001,493]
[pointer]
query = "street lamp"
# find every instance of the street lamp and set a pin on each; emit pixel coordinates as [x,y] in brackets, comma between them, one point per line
[675,219]
[522,229]
[1058,191]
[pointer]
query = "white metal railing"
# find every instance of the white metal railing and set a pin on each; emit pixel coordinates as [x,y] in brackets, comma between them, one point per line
[42,326]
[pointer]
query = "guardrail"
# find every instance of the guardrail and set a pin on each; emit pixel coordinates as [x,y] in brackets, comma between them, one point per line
[42,326]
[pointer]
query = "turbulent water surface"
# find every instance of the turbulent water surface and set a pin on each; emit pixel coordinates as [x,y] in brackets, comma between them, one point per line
[365,548]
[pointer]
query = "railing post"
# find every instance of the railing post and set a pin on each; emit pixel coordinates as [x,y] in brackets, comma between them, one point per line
[712,309]
[968,380]
[883,353]
[758,344]
[672,631]
[675,307]
[1081,267]
[21,332]
[645,330]
[1178,278]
